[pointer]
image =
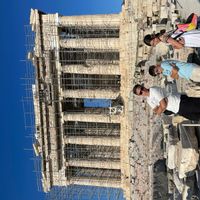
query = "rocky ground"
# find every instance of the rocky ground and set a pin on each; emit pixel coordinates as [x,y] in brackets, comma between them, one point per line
[146,143]
[186,7]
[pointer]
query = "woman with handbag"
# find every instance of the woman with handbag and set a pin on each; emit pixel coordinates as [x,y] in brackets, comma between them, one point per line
[186,35]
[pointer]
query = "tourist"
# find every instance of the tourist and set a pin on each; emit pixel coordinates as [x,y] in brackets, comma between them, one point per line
[159,100]
[184,36]
[177,40]
[176,69]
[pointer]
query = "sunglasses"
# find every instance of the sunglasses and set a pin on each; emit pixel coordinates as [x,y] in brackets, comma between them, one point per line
[141,90]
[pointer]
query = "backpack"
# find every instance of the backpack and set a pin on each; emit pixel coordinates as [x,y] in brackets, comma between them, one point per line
[191,24]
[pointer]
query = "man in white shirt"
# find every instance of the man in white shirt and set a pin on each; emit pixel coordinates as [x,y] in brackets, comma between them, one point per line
[160,102]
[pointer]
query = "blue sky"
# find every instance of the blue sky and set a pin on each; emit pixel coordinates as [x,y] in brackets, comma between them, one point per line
[18,182]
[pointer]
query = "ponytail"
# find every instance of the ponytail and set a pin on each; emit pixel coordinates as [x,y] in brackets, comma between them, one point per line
[148,38]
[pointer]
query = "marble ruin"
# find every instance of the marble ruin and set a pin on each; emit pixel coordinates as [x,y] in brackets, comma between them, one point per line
[90,129]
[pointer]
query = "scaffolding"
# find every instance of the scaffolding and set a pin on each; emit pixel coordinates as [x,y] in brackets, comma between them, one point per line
[77,148]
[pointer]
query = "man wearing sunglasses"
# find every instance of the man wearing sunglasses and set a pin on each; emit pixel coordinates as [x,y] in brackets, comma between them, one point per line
[160,101]
[176,69]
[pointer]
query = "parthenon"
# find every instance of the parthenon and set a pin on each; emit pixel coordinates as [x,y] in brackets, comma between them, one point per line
[77,102]
[90,132]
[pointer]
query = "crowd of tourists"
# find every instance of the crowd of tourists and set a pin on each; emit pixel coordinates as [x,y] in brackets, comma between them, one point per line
[186,35]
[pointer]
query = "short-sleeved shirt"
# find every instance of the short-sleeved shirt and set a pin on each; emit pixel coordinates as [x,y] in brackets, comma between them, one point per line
[185,69]
[191,38]
[156,94]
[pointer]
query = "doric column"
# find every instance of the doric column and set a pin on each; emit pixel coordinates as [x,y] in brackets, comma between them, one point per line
[94,69]
[107,131]
[94,164]
[111,20]
[96,182]
[85,140]
[91,43]
[84,93]
[92,117]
